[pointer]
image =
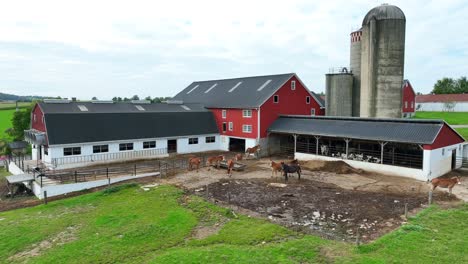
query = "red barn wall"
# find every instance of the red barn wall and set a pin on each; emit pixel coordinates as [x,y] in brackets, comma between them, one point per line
[37,120]
[291,102]
[409,96]
[446,137]
[235,116]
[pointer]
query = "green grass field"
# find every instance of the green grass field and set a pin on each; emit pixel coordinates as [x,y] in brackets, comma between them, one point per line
[5,121]
[463,132]
[9,105]
[128,225]
[453,118]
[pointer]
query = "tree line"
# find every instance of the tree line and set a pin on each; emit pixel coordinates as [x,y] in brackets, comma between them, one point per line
[451,86]
[136,97]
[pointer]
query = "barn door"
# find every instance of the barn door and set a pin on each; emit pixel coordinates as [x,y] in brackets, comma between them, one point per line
[454,159]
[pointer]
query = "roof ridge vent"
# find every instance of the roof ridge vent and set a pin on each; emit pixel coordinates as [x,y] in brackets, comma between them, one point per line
[264,85]
[209,89]
[141,102]
[179,102]
[56,101]
[235,86]
[185,107]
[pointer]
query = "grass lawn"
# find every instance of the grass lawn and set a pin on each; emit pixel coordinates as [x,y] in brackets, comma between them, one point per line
[463,132]
[3,173]
[453,118]
[128,225]
[4,105]
[5,121]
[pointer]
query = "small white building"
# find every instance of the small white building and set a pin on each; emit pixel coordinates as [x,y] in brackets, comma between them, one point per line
[419,149]
[68,134]
[442,102]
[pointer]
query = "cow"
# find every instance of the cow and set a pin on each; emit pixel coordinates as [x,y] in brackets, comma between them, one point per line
[290,169]
[324,150]
[215,160]
[253,150]
[194,162]
[275,168]
[238,156]
[445,183]
[230,166]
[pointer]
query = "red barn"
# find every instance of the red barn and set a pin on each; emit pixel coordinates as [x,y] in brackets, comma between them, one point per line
[409,100]
[245,107]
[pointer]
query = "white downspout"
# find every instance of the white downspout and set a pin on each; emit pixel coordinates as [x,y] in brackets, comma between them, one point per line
[258,125]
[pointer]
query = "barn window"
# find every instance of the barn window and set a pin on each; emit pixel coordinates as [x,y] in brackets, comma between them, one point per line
[247,113]
[307,99]
[231,126]
[46,150]
[210,139]
[149,144]
[193,141]
[247,128]
[125,146]
[412,104]
[224,113]
[276,99]
[34,117]
[406,104]
[293,85]
[312,111]
[72,151]
[224,127]
[100,148]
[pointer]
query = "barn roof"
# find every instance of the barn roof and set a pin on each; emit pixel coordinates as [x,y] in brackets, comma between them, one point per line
[441,98]
[244,92]
[67,124]
[378,129]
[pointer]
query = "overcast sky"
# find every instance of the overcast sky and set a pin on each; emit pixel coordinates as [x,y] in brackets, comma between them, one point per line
[121,48]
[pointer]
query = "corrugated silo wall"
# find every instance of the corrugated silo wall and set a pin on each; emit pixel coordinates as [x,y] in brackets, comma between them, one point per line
[382,68]
[355,65]
[339,93]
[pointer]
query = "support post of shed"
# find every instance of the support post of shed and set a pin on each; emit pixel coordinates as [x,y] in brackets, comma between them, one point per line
[295,145]
[347,140]
[382,145]
[316,144]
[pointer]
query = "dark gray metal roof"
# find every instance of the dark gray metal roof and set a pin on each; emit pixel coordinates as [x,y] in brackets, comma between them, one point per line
[378,129]
[66,128]
[244,91]
[123,107]
[384,11]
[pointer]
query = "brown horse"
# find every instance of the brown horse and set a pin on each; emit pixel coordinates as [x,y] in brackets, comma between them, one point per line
[215,161]
[253,150]
[275,168]
[238,157]
[230,166]
[445,183]
[194,162]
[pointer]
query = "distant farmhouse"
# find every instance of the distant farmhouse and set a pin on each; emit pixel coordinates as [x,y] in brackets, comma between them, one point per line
[442,102]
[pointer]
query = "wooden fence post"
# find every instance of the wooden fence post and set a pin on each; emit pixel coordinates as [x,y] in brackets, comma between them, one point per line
[358,237]
[406,211]
[45,197]
[134,169]
[430,198]
[76,179]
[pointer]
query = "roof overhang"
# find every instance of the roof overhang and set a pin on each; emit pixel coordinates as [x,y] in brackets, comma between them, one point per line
[35,137]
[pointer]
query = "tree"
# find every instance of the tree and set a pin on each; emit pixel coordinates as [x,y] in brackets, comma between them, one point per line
[94,98]
[114,99]
[148,98]
[21,120]
[135,97]
[451,86]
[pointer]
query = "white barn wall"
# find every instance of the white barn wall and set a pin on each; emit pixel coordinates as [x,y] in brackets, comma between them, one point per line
[183,145]
[437,164]
[417,174]
[439,107]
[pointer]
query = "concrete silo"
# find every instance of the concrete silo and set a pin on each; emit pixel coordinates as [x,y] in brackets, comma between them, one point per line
[355,66]
[339,93]
[382,62]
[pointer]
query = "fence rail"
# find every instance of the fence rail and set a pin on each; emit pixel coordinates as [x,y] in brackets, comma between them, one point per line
[109,156]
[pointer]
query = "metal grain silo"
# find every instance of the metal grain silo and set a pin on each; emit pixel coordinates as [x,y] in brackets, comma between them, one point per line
[339,93]
[355,66]
[382,62]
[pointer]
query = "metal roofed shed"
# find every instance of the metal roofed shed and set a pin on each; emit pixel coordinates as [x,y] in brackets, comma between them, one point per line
[421,149]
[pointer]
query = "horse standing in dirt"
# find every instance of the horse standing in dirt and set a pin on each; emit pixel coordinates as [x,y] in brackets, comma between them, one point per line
[253,150]
[230,166]
[445,183]
[238,156]
[194,162]
[290,169]
[216,160]
[275,168]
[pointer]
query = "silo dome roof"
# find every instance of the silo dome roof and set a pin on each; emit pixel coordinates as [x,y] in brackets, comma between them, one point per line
[384,12]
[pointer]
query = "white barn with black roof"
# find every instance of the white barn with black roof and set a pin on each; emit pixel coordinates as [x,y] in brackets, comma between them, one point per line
[420,149]
[67,133]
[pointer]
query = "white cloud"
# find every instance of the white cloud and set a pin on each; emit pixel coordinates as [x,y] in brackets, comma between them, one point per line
[87,48]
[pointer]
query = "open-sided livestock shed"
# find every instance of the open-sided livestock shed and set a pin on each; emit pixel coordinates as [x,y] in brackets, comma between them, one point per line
[421,149]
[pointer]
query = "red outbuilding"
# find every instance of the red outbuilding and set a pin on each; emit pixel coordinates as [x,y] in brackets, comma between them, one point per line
[409,100]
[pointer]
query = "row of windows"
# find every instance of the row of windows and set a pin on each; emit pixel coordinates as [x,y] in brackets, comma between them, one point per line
[406,104]
[245,128]
[127,146]
[193,141]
